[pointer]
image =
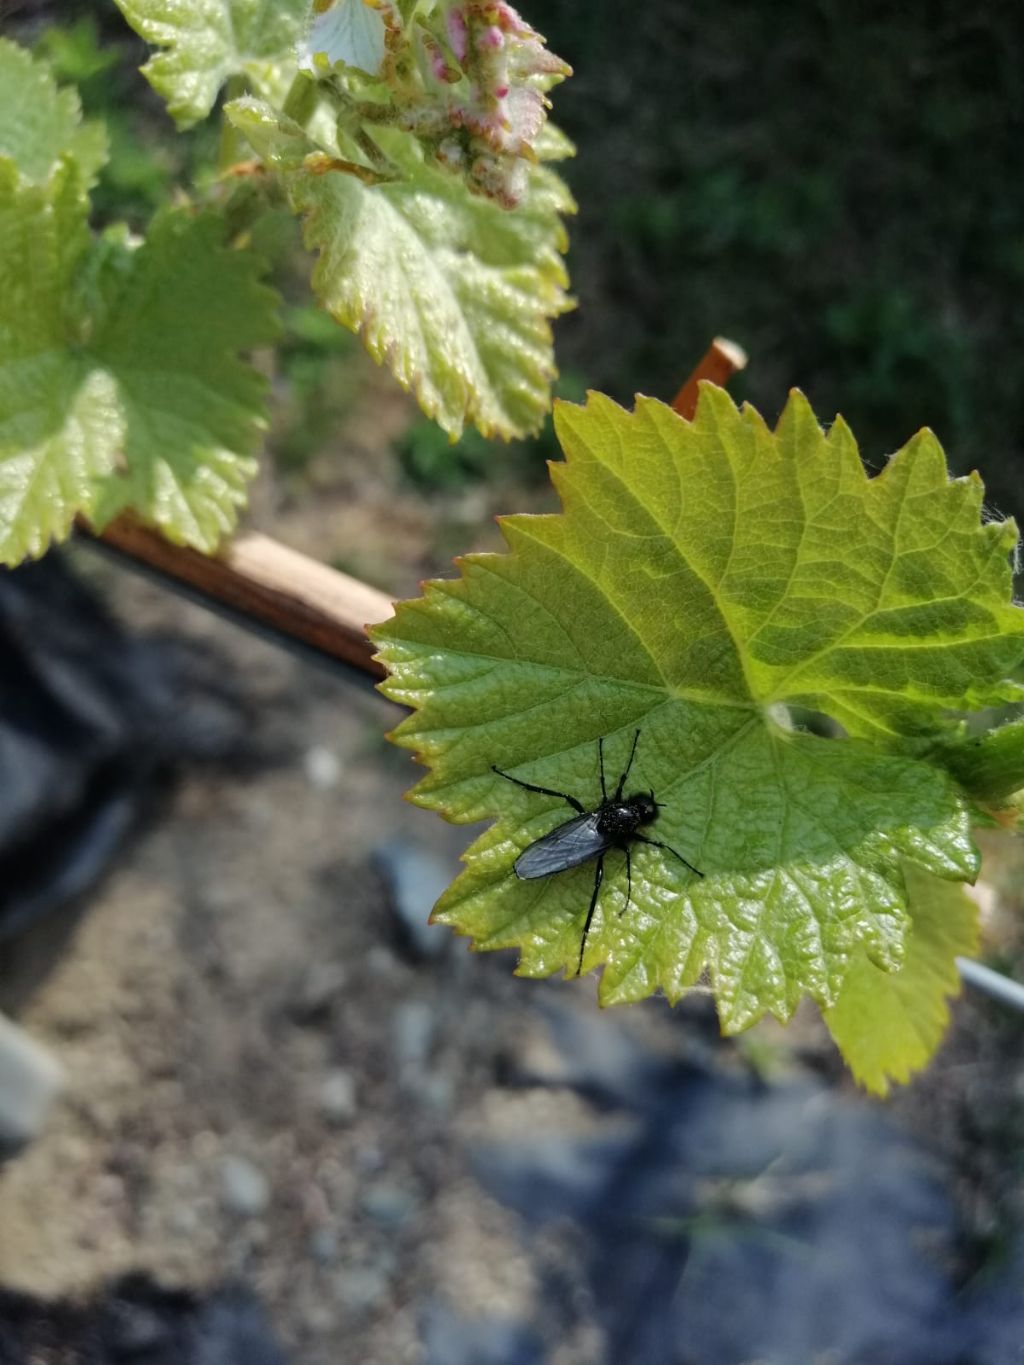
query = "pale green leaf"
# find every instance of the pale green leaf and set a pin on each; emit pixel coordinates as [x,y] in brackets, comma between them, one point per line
[192,408]
[120,381]
[888,1024]
[59,423]
[989,764]
[453,292]
[39,124]
[553,144]
[205,42]
[348,31]
[909,616]
[702,579]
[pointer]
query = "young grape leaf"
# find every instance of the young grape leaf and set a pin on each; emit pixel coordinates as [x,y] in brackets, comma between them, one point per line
[888,1024]
[40,124]
[59,422]
[112,357]
[702,578]
[192,409]
[453,292]
[989,764]
[206,42]
[349,32]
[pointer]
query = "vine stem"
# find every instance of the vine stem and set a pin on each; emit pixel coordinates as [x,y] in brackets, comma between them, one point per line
[301,99]
[231,144]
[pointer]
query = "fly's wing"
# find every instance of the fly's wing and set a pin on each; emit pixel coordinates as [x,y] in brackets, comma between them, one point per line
[567,846]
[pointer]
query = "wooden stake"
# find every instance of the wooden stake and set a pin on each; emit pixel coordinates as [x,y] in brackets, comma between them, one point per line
[270,585]
[721,361]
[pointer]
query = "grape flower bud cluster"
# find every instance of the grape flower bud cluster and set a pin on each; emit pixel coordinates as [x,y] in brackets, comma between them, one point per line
[468,78]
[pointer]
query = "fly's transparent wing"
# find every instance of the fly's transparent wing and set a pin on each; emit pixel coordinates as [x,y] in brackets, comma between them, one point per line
[567,846]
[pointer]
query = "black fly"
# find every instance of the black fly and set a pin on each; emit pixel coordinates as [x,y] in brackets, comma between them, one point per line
[590,834]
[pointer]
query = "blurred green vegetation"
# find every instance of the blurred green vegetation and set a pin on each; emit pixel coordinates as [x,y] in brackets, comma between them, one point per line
[89,46]
[429,460]
[318,392]
[834,186]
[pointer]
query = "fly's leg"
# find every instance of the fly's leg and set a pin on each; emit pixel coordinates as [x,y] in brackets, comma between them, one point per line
[543,791]
[622,779]
[598,878]
[656,843]
[600,762]
[629,879]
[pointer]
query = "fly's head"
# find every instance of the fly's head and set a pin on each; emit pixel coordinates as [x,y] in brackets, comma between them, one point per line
[644,807]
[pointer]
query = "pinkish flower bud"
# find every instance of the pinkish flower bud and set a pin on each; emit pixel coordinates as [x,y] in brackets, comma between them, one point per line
[439,66]
[510,21]
[468,80]
[451,154]
[458,35]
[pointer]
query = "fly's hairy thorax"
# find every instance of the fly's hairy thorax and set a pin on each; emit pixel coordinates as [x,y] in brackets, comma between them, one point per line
[618,821]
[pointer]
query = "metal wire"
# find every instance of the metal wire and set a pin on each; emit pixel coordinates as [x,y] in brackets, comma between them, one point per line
[994,984]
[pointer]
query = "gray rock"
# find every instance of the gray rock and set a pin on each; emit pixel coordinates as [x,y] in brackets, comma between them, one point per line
[389,1205]
[415,879]
[363,1288]
[244,1188]
[30,1079]
[324,1246]
[436,1091]
[315,993]
[369,1158]
[413,1032]
[381,961]
[450,1339]
[338,1097]
[322,767]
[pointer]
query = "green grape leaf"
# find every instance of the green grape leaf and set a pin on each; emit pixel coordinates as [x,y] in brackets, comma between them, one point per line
[206,42]
[453,292]
[989,764]
[59,423]
[192,408]
[120,382]
[888,1025]
[39,124]
[702,578]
